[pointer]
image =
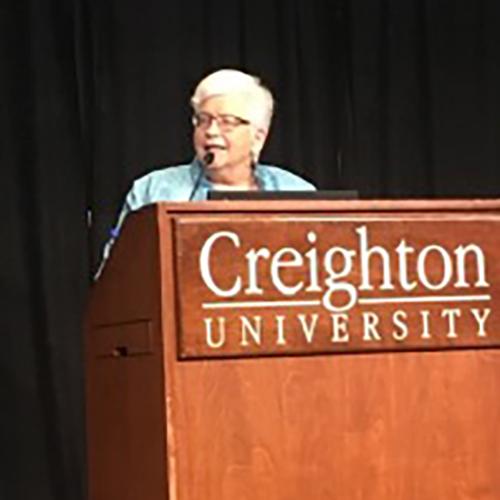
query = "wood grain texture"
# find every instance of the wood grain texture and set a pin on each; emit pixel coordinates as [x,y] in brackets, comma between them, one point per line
[400,426]
[376,426]
[125,404]
[272,233]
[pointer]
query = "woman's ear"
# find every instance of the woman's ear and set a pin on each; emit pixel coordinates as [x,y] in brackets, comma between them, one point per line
[259,139]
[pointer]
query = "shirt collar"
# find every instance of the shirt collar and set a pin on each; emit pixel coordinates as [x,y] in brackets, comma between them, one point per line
[264,179]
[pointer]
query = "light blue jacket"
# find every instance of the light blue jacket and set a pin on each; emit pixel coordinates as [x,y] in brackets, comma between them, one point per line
[189,183]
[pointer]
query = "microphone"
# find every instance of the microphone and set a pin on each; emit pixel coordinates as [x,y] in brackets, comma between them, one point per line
[208,158]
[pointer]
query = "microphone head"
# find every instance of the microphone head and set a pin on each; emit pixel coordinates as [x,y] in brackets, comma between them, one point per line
[208,159]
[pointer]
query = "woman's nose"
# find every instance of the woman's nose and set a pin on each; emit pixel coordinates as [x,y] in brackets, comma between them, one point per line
[213,127]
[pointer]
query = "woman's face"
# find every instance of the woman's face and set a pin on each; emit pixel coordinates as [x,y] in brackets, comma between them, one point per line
[222,128]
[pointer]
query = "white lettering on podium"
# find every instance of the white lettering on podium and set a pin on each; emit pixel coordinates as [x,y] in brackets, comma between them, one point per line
[346,271]
[255,331]
[426,334]
[308,329]
[481,317]
[205,264]
[340,332]
[452,315]
[401,333]
[422,267]
[461,266]
[252,328]
[370,323]
[215,344]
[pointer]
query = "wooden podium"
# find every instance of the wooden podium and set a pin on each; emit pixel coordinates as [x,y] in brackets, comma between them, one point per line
[297,350]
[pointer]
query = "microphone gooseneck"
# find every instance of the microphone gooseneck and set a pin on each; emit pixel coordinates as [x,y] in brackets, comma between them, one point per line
[208,158]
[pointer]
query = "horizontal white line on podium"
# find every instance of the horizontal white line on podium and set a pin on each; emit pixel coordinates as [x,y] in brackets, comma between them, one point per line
[263,303]
[375,300]
[430,298]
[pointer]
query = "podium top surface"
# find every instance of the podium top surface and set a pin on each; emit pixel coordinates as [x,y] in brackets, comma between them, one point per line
[372,205]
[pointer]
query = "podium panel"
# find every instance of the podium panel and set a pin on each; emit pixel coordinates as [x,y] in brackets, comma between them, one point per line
[290,350]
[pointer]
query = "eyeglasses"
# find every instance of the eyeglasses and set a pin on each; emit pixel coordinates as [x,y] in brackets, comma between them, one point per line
[225,122]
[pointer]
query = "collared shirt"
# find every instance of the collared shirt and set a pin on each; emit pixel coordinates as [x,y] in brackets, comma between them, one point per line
[189,183]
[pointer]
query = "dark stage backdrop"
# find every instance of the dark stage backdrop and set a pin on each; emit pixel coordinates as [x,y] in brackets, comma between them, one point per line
[389,97]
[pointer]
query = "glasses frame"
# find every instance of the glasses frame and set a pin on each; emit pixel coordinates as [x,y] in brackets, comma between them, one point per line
[226,122]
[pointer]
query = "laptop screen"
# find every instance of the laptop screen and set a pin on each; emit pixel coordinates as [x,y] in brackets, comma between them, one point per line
[344,194]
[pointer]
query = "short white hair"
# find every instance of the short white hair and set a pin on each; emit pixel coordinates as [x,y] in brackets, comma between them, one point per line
[232,81]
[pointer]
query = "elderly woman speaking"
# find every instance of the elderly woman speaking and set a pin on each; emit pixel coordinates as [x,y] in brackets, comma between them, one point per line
[231,120]
[232,116]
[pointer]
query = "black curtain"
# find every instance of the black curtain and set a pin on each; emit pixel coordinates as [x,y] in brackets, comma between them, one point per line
[425,106]
[394,98]
[44,254]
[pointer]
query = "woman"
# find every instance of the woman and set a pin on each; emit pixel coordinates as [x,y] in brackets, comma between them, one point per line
[231,120]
